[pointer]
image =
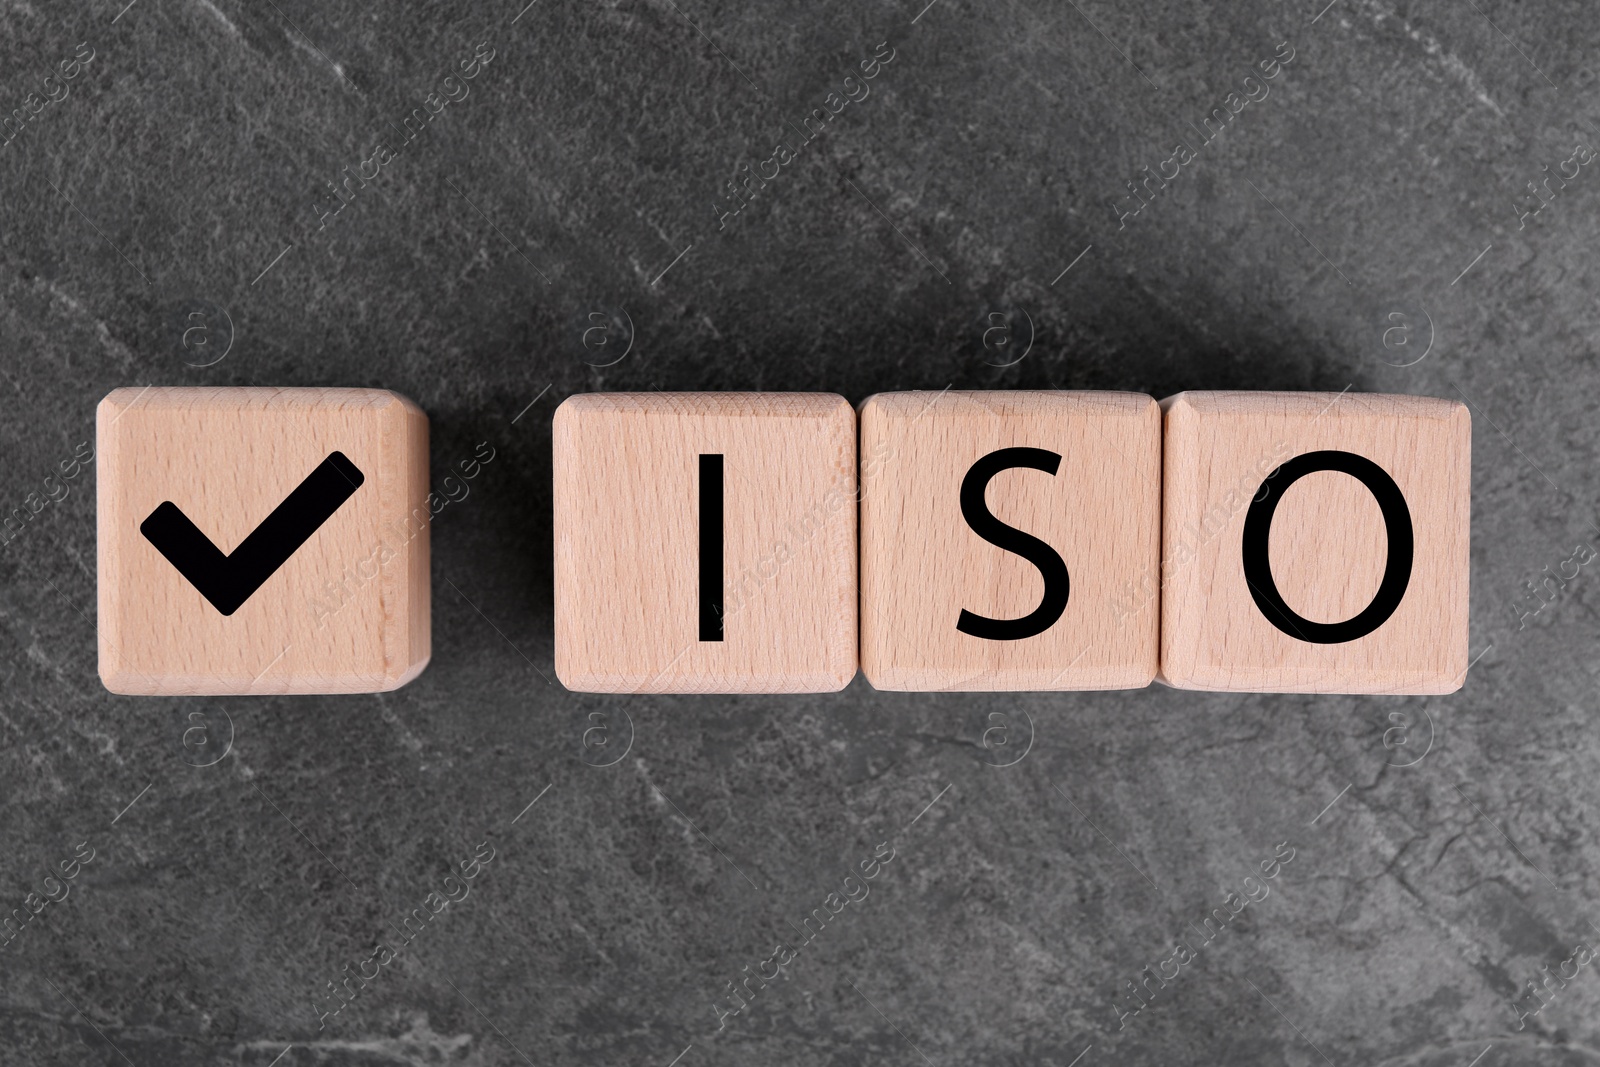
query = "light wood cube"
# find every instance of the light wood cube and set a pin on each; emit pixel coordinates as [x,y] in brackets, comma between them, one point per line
[705,542]
[1002,537]
[262,540]
[1315,543]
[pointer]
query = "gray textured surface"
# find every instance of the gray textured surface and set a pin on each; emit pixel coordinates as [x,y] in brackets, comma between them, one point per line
[1391,152]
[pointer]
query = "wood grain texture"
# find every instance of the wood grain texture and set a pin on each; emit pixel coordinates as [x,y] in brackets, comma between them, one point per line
[627,548]
[1328,545]
[922,563]
[348,612]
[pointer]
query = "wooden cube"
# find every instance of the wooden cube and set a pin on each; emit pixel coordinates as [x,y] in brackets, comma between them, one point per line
[1002,537]
[262,541]
[1315,543]
[705,542]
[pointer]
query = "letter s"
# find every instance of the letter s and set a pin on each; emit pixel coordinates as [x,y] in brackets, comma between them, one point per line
[1049,563]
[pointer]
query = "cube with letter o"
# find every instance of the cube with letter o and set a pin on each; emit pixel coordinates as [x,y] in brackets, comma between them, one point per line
[1315,542]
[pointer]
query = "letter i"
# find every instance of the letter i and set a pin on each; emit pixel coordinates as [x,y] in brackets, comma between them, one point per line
[711,547]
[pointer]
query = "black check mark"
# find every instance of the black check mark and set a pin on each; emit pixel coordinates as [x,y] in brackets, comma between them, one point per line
[228,581]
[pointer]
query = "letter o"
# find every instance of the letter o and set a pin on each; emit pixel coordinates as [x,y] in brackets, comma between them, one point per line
[1396,571]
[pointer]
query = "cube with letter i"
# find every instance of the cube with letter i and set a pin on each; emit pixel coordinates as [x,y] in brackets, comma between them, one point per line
[262,540]
[1315,542]
[1005,539]
[705,542]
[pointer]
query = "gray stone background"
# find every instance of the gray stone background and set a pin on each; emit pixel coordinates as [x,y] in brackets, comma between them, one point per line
[1368,224]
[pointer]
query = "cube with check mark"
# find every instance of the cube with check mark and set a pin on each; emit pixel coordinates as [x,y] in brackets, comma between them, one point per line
[262,540]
